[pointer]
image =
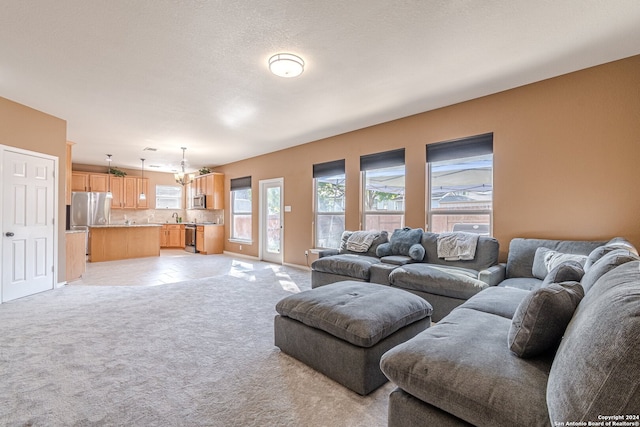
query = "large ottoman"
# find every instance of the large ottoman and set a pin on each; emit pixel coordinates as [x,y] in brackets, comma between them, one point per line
[342,329]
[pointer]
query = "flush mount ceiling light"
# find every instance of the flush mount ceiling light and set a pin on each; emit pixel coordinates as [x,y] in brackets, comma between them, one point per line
[286,65]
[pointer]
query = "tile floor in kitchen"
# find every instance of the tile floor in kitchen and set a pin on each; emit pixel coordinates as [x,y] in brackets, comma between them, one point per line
[177,265]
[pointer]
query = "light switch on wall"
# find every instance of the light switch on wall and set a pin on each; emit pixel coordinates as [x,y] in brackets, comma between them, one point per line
[287,208]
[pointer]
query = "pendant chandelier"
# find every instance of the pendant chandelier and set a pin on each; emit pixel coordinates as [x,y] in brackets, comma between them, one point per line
[181,177]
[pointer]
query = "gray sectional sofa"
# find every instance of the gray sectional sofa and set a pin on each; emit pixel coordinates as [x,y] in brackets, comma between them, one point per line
[444,284]
[531,351]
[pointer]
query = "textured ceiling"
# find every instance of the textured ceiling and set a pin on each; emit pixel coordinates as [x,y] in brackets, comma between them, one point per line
[169,73]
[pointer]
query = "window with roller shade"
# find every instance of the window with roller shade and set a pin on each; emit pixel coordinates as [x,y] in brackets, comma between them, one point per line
[241,218]
[461,185]
[383,177]
[329,188]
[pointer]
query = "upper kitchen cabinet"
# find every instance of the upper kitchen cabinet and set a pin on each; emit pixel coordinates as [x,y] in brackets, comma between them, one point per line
[85,181]
[126,192]
[211,185]
[215,191]
[80,181]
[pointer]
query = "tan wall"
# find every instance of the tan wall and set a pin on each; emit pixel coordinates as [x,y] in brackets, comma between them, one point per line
[566,153]
[32,130]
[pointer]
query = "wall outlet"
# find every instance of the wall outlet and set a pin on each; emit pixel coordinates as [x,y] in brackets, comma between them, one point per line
[240,247]
[306,253]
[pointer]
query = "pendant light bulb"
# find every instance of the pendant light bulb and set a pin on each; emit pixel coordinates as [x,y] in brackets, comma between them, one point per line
[109,193]
[142,196]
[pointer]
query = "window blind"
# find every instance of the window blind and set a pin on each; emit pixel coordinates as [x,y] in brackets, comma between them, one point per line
[243,183]
[335,167]
[472,146]
[385,159]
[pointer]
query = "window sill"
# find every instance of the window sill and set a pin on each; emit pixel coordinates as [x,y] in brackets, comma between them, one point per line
[241,241]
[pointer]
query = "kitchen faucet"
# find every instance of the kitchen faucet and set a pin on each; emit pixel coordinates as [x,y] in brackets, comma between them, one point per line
[175,215]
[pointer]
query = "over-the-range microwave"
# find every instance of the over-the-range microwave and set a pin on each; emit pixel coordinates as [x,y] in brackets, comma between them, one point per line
[199,202]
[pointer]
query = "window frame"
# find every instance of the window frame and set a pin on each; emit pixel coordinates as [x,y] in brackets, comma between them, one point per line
[376,162]
[180,198]
[460,149]
[237,185]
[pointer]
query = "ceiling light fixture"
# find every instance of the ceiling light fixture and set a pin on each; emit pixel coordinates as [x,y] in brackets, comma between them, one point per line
[286,65]
[142,196]
[180,177]
[109,193]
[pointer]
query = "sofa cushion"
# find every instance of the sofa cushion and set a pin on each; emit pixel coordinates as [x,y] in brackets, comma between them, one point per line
[405,242]
[496,300]
[359,313]
[522,251]
[525,283]
[546,260]
[569,271]
[462,366]
[351,265]
[596,368]
[541,318]
[605,264]
[396,259]
[451,282]
[487,251]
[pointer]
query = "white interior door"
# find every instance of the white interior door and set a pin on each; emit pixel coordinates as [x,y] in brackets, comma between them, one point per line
[28,233]
[271,220]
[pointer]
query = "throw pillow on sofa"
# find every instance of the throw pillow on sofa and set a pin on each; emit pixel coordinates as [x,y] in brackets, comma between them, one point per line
[405,242]
[612,245]
[605,264]
[542,317]
[546,260]
[568,271]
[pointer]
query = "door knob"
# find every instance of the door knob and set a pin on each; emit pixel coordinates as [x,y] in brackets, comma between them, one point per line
[8,234]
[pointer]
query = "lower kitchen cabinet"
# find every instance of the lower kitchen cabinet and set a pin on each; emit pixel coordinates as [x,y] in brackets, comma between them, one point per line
[210,239]
[172,236]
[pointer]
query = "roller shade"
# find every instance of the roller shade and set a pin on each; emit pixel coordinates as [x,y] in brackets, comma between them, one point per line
[243,183]
[386,159]
[472,146]
[333,168]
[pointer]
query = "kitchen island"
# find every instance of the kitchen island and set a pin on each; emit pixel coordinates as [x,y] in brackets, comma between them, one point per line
[113,242]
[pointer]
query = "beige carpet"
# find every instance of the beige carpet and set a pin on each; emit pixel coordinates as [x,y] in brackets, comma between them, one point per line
[196,353]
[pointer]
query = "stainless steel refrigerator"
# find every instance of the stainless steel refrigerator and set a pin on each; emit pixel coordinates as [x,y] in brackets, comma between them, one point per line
[89,209]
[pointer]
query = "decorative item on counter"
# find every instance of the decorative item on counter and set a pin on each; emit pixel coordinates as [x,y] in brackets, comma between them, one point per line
[204,171]
[117,172]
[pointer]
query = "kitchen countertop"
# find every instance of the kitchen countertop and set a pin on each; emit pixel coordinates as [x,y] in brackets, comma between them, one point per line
[124,225]
[75,231]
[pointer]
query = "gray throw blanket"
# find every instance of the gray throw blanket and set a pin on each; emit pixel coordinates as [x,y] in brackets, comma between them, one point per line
[457,246]
[360,241]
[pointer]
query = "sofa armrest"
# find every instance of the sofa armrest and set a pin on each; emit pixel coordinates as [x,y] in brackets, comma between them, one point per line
[493,275]
[327,252]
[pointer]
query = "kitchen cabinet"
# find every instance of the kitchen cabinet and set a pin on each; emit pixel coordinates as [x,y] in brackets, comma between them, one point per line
[68,173]
[113,242]
[172,236]
[76,248]
[85,181]
[98,182]
[126,192]
[79,181]
[210,239]
[211,185]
